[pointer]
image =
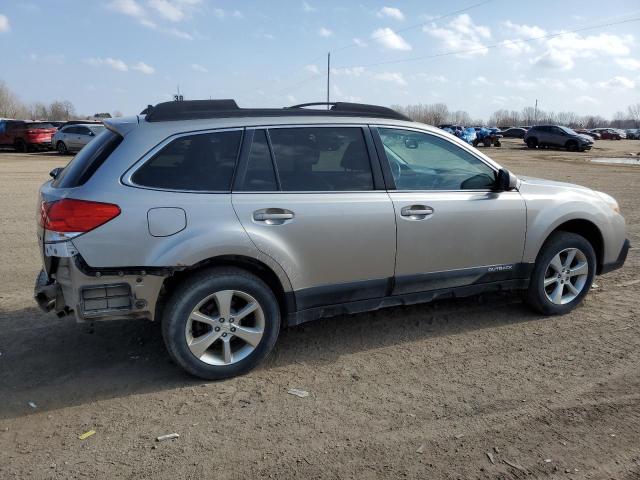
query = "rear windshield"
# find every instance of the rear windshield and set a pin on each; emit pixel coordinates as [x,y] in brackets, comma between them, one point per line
[88,160]
[97,129]
[39,125]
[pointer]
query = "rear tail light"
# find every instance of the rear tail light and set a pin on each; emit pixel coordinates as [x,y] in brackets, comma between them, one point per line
[76,216]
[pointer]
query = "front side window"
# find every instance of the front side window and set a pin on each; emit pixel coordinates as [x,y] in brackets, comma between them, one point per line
[201,162]
[420,161]
[321,159]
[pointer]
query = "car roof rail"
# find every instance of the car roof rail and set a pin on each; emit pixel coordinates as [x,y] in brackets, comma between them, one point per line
[350,108]
[202,109]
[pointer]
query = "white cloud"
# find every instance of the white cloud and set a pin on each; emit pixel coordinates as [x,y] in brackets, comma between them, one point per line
[307,7]
[617,83]
[562,51]
[312,69]
[127,7]
[520,45]
[525,31]
[628,63]
[520,84]
[144,68]
[586,99]
[179,33]
[394,77]
[359,42]
[390,39]
[167,10]
[432,78]
[578,83]
[113,63]
[4,24]
[52,59]
[480,81]
[349,72]
[158,11]
[199,68]
[324,32]
[390,12]
[221,13]
[463,35]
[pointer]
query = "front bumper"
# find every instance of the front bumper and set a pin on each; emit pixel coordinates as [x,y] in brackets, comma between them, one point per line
[619,262]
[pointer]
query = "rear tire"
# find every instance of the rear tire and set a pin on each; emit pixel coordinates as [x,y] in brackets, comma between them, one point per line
[204,328]
[21,146]
[532,142]
[562,275]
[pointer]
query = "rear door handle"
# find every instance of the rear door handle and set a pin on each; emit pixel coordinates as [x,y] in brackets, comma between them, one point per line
[416,212]
[273,216]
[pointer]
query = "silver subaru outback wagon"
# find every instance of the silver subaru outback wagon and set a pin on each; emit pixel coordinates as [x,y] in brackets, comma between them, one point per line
[226,224]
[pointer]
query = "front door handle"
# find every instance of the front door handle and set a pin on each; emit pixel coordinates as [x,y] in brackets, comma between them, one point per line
[416,212]
[273,216]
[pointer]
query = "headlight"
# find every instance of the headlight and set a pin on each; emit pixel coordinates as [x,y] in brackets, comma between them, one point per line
[610,201]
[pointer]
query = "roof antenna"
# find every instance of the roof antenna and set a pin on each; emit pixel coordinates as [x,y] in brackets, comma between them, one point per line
[178,97]
[328,76]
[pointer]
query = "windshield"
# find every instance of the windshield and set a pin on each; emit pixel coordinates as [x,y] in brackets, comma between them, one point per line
[568,130]
[39,125]
[96,128]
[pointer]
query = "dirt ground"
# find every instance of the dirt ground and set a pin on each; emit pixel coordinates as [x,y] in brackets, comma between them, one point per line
[476,388]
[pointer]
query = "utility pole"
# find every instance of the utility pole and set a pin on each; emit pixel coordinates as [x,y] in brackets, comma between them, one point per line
[328,76]
[535,113]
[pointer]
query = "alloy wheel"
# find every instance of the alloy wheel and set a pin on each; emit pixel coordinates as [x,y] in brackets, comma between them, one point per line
[225,327]
[566,276]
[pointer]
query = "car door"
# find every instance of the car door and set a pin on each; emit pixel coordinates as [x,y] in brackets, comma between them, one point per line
[70,137]
[313,199]
[83,137]
[453,229]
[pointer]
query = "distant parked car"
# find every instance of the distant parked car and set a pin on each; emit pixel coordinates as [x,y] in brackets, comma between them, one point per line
[557,136]
[610,133]
[633,133]
[24,135]
[584,131]
[73,137]
[514,132]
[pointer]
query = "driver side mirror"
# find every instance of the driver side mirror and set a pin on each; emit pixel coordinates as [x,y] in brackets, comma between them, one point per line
[505,180]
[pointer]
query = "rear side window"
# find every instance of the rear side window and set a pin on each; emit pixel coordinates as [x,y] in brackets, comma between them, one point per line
[88,160]
[202,162]
[321,159]
[260,176]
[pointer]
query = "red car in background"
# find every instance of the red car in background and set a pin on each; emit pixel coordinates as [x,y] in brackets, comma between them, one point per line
[610,133]
[25,136]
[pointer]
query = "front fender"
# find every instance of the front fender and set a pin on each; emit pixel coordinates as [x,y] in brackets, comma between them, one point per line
[550,206]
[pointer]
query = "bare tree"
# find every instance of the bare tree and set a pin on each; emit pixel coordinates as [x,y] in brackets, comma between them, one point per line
[38,111]
[117,113]
[10,104]
[634,114]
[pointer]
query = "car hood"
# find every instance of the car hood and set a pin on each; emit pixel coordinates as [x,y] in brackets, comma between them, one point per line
[540,182]
[586,137]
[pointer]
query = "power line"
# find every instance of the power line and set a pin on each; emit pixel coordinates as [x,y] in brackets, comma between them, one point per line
[410,27]
[416,25]
[486,47]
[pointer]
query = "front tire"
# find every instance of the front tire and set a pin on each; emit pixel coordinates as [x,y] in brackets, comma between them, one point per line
[220,323]
[532,143]
[563,274]
[62,148]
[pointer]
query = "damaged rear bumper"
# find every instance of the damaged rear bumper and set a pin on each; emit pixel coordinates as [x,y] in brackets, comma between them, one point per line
[90,294]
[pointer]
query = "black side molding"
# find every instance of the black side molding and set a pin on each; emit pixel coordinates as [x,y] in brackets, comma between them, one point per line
[622,257]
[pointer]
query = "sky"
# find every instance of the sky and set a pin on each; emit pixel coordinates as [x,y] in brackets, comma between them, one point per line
[473,55]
